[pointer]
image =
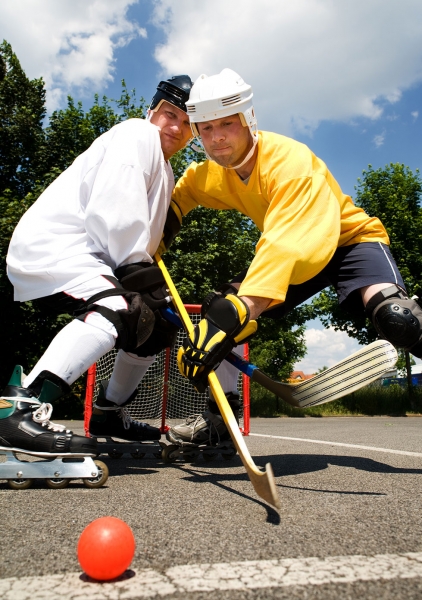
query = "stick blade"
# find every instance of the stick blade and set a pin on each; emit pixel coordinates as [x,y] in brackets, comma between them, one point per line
[264,485]
[358,370]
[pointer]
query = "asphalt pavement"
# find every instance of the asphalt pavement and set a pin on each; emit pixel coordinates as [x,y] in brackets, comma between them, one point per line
[349,525]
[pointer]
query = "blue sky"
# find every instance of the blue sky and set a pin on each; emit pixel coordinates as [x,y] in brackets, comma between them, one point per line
[344,77]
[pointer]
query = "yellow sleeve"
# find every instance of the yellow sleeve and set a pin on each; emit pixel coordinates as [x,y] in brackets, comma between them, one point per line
[300,235]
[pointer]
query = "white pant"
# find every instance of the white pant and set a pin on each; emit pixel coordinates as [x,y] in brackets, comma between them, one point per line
[81,343]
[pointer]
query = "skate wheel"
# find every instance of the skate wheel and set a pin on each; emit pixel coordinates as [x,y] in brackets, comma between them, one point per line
[101,478]
[115,454]
[189,456]
[170,453]
[137,454]
[57,484]
[209,456]
[19,484]
[230,454]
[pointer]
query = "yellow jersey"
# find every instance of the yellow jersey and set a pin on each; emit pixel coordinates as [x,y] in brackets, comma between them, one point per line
[294,201]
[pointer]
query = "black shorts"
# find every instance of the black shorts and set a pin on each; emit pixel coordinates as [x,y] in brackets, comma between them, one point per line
[351,268]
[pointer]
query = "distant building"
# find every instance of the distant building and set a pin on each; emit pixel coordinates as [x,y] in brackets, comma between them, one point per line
[299,376]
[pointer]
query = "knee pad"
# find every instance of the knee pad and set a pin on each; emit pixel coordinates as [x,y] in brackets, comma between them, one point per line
[397,319]
[163,336]
[133,324]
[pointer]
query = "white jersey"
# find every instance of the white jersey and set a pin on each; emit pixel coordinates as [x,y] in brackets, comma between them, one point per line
[106,210]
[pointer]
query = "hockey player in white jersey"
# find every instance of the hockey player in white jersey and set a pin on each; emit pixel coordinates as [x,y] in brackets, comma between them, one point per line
[86,247]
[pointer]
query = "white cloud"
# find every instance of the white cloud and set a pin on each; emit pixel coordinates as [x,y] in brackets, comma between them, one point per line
[379,139]
[415,114]
[308,60]
[70,43]
[325,347]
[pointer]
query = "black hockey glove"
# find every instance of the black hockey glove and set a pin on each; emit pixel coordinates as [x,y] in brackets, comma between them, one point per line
[226,323]
[223,290]
[147,280]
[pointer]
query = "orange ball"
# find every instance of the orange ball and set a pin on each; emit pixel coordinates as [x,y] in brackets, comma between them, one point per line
[106,548]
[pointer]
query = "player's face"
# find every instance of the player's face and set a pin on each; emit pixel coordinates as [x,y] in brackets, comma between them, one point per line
[226,140]
[175,131]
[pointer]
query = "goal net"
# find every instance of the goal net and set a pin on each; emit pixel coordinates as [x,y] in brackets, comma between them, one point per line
[164,397]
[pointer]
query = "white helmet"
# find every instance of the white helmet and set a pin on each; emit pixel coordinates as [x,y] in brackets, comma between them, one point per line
[220,96]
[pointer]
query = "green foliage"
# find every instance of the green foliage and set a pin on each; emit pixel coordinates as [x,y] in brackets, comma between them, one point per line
[371,400]
[22,110]
[3,68]
[72,130]
[182,159]
[212,246]
[401,362]
[393,194]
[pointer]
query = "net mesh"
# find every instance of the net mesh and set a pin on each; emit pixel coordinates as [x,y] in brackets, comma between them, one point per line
[182,399]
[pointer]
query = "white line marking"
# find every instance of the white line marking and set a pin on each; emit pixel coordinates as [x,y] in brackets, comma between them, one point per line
[374,448]
[247,575]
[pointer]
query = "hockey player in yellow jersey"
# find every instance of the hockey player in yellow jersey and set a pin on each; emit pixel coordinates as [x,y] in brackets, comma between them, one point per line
[312,236]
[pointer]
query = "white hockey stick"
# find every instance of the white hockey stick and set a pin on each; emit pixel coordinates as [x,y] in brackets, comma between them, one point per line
[263,481]
[355,371]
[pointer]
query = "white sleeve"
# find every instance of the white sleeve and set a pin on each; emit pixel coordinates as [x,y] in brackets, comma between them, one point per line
[125,192]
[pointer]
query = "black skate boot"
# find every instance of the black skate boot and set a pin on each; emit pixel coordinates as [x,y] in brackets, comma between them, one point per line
[205,435]
[25,418]
[113,420]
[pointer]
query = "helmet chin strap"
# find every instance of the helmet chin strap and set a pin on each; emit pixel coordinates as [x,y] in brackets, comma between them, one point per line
[249,154]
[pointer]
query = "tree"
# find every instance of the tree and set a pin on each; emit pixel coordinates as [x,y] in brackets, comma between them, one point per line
[22,110]
[401,363]
[71,131]
[392,194]
[3,68]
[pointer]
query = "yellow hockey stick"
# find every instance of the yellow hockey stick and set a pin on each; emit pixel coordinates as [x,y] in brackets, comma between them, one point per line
[263,481]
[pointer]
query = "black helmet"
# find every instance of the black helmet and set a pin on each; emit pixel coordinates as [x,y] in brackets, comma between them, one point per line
[175,90]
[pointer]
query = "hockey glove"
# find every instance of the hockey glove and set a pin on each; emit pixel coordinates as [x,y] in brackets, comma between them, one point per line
[225,324]
[171,227]
[223,290]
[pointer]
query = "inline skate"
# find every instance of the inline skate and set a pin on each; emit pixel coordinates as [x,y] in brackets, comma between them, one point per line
[27,434]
